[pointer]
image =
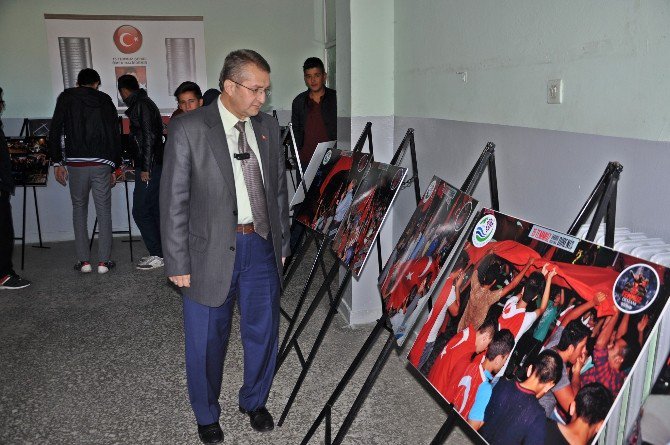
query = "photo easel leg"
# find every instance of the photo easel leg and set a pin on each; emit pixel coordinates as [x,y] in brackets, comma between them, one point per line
[334,304]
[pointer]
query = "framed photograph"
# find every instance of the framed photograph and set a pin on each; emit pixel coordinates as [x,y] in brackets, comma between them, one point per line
[423,248]
[542,333]
[319,207]
[30,161]
[310,170]
[366,214]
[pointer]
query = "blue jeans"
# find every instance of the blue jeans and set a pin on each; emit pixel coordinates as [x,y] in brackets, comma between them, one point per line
[146,211]
[255,287]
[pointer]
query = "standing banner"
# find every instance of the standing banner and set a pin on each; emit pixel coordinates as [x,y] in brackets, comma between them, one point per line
[160,51]
[546,331]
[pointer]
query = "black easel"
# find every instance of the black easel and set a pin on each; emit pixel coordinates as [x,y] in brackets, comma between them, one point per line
[128,232]
[366,135]
[322,242]
[487,158]
[27,130]
[604,197]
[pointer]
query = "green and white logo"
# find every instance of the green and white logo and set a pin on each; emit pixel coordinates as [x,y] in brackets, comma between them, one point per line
[484,231]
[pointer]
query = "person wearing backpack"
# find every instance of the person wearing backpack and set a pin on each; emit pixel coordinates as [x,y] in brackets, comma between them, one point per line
[84,145]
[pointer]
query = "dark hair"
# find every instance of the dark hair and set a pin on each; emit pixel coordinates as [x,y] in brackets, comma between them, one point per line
[533,286]
[548,366]
[489,326]
[186,87]
[489,270]
[593,402]
[210,96]
[235,62]
[574,332]
[502,344]
[313,62]
[128,82]
[87,76]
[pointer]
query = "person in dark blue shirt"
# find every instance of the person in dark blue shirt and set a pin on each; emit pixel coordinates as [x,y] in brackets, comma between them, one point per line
[514,415]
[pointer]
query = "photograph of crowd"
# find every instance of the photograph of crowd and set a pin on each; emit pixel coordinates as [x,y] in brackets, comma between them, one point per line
[424,246]
[542,333]
[369,207]
[652,427]
[331,192]
[30,161]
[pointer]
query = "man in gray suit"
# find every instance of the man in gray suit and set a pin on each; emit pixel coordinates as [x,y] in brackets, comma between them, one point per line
[225,233]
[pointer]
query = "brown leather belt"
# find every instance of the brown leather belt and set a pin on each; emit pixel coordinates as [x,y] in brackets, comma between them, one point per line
[245,229]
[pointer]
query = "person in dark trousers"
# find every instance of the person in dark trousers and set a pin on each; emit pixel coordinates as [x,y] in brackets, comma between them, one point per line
[8,278]
[314,120]
[146,134]
[84,146]
[225,223]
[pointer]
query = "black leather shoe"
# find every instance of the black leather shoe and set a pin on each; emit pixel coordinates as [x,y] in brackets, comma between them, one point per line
[260,419]
[211,433]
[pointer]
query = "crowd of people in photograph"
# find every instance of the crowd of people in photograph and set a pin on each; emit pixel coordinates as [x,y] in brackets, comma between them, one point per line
[522,358]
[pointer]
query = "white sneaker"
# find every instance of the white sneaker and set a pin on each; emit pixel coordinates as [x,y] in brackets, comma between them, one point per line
[104,266]
[83,267]
[153,262]
[143,260]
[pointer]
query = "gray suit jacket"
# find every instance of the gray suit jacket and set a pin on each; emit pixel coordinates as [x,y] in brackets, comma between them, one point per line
[198,203]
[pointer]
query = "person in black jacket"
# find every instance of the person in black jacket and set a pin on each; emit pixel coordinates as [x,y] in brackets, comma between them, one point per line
[84,145]
[8,278]
[314,112]
[146,134]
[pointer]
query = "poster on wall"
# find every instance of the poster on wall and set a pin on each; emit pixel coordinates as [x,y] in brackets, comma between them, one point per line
[369,207]
[423,248]
[30,161]
[160,51]
[543,332]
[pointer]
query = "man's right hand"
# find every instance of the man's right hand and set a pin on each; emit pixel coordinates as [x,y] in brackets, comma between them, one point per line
[60,173]
[181,280]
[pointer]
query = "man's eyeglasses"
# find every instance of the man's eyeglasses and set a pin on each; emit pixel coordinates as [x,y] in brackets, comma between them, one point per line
[256,91]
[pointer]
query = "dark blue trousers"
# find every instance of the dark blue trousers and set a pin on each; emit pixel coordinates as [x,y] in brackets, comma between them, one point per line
[255,286]
[146,212]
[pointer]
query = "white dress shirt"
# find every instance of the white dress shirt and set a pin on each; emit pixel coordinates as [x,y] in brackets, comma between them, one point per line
[229,120]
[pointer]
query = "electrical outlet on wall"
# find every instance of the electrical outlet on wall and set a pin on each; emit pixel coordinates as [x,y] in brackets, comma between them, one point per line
[555,91]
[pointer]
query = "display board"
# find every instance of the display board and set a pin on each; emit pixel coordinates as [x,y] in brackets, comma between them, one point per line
[30,161]
[367,212]
[161,51]
[320,204]
[310,171]
[539,315]
[423,248]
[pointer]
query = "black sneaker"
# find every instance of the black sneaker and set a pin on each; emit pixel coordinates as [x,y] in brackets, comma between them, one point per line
[13,282]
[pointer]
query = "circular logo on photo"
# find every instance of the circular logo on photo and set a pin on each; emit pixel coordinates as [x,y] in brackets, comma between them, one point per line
[636,288]
[363,162]
[326,157]
[127,39]
[429,191]
[396,179]
[462,216]
[484,231]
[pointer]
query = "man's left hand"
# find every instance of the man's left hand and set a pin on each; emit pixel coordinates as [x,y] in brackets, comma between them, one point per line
[283,260]
[144,176]
[112,180]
